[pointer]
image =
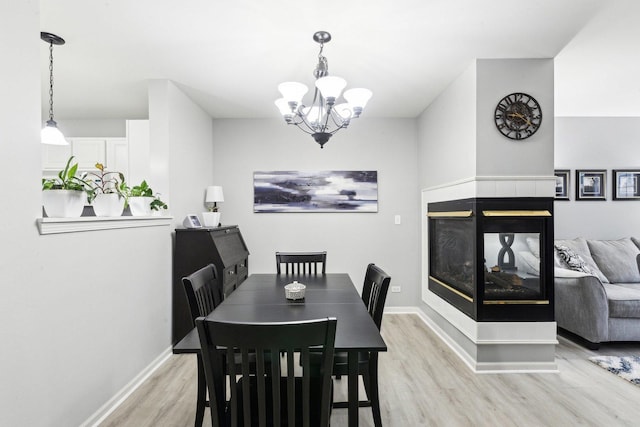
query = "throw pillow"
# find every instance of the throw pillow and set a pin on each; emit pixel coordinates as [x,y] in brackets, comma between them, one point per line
[616,259]
[579,246]
[573,259]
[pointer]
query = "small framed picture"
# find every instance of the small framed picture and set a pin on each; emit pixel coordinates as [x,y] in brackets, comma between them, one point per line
[562,184]
[591,184]
[626,184]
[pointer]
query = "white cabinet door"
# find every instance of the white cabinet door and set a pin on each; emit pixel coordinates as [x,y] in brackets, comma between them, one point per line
[54,157]
[113,153]
[118,156]
[88,152]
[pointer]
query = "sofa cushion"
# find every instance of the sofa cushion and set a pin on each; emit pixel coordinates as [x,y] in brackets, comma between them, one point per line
[623,299]
[579,246]
[616,259]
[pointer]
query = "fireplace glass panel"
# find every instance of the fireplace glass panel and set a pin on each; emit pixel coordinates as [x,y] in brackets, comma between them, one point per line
[512,270]
[453,262]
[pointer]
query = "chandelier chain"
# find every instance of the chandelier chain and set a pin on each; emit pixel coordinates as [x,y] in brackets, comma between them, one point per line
[51,81]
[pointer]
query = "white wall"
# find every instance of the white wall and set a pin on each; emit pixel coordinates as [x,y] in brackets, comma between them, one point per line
[447,133]
[352,240]
[597,143]
[181,149]
[92,128]
[80,314]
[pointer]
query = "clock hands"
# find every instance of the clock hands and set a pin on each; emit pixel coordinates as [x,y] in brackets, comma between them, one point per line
[520,116]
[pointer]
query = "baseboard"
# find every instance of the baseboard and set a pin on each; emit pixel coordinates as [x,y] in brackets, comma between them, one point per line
[105,410]
[402,310]
[477,367]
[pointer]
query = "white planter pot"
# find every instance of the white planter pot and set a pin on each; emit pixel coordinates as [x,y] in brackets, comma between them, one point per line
[63,203]
[108,204]
[140,206]
[211,219]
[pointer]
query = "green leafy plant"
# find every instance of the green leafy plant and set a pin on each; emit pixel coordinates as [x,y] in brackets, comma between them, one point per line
[66,179]
[106,183]
[143,190]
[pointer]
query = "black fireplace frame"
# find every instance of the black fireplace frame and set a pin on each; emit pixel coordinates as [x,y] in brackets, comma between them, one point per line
[498,215]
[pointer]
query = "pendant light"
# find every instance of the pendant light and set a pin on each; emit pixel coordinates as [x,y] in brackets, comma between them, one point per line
[50,133]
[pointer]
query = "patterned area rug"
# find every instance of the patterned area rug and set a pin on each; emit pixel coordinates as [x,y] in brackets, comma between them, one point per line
[627,367]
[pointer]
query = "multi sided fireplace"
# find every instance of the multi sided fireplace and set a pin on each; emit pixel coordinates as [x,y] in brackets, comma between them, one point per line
[477,262]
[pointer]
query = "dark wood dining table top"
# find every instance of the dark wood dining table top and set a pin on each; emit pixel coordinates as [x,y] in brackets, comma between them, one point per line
[261,298]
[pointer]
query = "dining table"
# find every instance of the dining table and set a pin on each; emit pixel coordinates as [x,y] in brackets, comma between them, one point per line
[261,298]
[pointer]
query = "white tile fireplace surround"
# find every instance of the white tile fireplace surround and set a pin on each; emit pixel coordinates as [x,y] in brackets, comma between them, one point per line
[489,347]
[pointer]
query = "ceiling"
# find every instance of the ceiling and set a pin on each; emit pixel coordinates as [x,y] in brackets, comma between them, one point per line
[230,56]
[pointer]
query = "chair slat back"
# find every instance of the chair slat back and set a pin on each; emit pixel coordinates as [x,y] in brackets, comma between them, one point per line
[374,292]
[260,386]
[299,263]
[204,291]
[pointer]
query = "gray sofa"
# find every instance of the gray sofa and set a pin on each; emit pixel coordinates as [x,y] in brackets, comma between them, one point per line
[597,289]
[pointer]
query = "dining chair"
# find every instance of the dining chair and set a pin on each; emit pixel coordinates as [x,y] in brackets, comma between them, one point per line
[374,295]
[301,262]
[204,293]
[261,399]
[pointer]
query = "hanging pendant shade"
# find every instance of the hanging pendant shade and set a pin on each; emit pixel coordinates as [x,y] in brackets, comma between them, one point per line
[51,135]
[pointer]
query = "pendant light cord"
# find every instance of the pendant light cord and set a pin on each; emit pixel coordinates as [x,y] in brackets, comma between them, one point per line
[51,81]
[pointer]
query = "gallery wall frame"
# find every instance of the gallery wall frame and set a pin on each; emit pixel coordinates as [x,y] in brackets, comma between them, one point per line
[626,184]
[591,184]
[315,191]
[563,178]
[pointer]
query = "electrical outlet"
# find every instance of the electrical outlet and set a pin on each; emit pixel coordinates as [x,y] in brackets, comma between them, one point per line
[395,289]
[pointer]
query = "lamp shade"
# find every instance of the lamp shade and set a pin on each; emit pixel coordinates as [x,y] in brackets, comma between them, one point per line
[331,86]
[293,91]
[214,194]
[358,97]
[284,107]
[51,135]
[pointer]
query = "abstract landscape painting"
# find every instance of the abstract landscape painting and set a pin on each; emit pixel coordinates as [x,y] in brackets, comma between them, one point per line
[324,191]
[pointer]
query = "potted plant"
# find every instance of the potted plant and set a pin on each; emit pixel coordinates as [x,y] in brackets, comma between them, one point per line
[142,201]
[107,192]
[65,195]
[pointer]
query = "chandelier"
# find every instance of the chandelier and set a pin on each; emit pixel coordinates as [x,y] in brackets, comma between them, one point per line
[323,117]
[50,134]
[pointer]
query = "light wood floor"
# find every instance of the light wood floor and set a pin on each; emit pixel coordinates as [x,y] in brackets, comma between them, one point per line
[423,383]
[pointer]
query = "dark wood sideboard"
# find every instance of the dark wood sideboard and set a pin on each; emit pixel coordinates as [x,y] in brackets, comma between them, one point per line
[197,247]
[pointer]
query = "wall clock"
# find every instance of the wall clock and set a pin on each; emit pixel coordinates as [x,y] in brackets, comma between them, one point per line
[518,116]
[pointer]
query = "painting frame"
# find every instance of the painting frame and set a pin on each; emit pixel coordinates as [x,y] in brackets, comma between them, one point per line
[563,178]
[315,191]
[626,184]
[591,184]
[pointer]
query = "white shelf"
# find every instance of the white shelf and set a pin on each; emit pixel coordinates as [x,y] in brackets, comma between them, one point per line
[93,223]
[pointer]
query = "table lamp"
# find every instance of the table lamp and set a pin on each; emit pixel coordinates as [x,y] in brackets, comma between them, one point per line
[211,198]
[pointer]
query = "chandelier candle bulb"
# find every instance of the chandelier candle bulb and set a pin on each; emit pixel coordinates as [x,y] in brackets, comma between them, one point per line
[326,115]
